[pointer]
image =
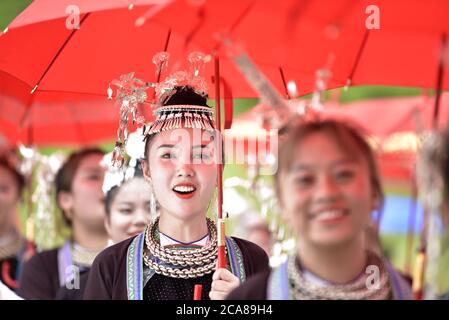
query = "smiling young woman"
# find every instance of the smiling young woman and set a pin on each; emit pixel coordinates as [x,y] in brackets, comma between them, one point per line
[179,249]
[128,205]
[327,186]
[53,274]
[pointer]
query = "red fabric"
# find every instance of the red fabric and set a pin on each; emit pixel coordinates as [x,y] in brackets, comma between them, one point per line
[106,46]
[295,36]
[378,117]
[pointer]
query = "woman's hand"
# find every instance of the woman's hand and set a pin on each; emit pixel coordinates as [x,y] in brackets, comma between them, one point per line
[223,282]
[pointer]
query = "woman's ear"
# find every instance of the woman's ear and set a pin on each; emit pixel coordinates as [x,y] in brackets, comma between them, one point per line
[65,201]
[107,225]
[376,203]
[145,169]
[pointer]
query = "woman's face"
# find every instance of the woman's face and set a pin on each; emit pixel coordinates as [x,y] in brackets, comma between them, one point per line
[86,197]
[9,196]
[326,194]
[130,210]
[182,170]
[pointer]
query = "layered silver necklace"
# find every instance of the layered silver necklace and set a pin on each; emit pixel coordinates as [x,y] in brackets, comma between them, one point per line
[359,289]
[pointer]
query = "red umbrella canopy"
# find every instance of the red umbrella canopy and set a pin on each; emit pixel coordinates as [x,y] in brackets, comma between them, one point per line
[361,42]
[386,116]
[42,53]
[380,117]
[53,79]
[46,53]
[393,122]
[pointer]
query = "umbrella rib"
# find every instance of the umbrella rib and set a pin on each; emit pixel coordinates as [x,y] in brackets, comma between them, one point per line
[29,107]
[284,83]
[59,52]
[74,92]
[241,17]
[167,40]
[440,75]
[357,59]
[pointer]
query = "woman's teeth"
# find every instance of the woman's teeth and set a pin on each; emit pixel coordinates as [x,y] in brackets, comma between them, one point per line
[184,189]
[330,214]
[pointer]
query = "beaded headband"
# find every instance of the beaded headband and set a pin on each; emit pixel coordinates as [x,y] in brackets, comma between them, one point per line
[181,116]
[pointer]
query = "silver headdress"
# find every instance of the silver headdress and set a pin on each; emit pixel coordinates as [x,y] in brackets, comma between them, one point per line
[181,116]
[115,176]
[132,91]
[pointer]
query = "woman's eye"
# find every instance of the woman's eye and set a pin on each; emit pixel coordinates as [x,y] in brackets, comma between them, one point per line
[304,181]
[345,175]
[167,155]
[95,177]
[126,210]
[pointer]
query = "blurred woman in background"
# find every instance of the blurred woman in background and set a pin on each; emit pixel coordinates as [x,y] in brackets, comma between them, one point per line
[327,185]
[128,206]
[14,248]
[56,274]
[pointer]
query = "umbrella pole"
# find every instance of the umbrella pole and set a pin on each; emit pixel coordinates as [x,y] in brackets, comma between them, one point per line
[197,292]
[219,146]
[167,40]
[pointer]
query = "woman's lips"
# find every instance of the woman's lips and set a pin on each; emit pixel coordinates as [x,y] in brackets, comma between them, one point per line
[330,216]
[184,190]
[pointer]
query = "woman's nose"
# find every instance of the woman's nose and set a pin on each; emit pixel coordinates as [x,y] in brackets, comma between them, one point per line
[185,169]
[327,187]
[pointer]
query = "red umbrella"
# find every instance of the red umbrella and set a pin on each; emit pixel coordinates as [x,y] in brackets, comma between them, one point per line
[300,37]
[71,120]
[384,118]
[358,42]
[388,42]
[52,88]
[49,71]
[380,117]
